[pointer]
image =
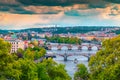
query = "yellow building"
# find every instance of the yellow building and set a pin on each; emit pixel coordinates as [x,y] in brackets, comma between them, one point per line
[16,44]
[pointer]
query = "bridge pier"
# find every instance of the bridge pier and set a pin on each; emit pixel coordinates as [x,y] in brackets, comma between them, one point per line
[65,58]
[88,59]
[59,48]
[89,48]
[69,49]
[79,48]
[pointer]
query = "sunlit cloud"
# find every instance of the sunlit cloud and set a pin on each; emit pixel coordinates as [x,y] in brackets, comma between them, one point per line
[17,14]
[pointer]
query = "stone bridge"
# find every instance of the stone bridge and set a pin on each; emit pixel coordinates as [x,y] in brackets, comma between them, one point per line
[66,55]
[72,47]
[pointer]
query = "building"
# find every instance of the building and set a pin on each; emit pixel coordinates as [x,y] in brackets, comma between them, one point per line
[16,44]
[42,41]
[42,35]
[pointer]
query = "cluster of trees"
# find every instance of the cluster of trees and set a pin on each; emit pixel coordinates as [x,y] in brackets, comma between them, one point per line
[116,31]
[105,65]
[22,65]
[58,39]
[31,53]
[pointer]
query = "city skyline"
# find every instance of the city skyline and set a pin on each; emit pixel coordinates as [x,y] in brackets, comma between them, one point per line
[19,14]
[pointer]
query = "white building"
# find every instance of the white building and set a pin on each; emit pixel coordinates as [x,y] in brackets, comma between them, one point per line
[16,44]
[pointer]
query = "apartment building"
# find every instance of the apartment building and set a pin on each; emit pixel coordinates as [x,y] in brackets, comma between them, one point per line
[16,44]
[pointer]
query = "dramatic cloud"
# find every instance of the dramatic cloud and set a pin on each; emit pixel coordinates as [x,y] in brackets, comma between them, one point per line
[35,13]
[37,6]
[114,1]
[52,2]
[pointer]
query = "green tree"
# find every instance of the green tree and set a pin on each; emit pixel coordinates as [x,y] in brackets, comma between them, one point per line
[69,40]
[8,66]
[56,71]
[35,43]
[20,51]
[28,54]
[81,73]
[42,72]
[105,65]
[28,69]
[12,68]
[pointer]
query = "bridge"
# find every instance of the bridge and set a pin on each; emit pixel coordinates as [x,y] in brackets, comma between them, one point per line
[66,55]
[72,47]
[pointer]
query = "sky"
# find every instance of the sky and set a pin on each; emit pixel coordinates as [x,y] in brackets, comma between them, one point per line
[20,14]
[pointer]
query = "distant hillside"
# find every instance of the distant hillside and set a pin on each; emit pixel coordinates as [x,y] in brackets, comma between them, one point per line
[56,30]
[78,29]
[3,31]
[7,31]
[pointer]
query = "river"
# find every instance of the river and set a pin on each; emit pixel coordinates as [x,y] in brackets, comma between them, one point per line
[70,66]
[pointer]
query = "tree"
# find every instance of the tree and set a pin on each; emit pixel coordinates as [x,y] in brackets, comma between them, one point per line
[8,64]
[28,54]
[42,72]
[69,40]
[20,53]
[28,69]
[12,68]
[35,43]
[81,73]
[105,65]
[56,71]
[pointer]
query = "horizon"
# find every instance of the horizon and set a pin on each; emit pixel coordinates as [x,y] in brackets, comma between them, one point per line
[19,14]
[62,27]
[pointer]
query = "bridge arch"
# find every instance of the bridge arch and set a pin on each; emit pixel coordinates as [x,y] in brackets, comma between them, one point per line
[84,47]
[54,48]
[64,48]
[94,47]
[74,47]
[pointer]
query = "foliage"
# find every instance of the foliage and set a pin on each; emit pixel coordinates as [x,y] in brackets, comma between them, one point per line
[31,53]
[116,31]
[34,42]
[25,68]
[72,40]
[7,62]
[56,71]
[105,65]
[81,73]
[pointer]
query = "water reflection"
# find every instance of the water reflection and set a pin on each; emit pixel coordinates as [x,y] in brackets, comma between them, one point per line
[70,65]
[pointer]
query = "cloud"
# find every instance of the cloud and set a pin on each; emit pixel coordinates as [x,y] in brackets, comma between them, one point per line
[12,6]
[34,13]
[52,2]
[51,6]
[115,10]
[114,1]
[44,9]
[15,10]
[98,4]
[24,20]
[72,13]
